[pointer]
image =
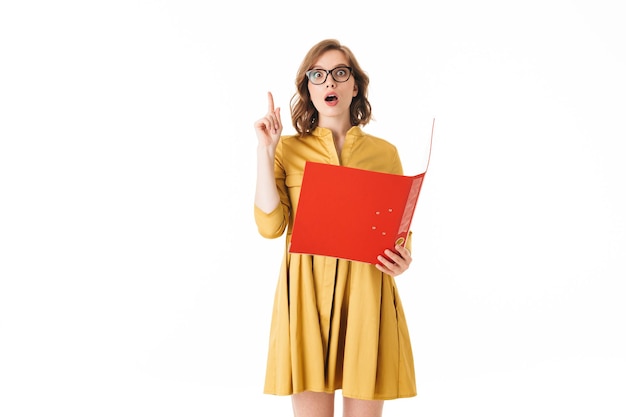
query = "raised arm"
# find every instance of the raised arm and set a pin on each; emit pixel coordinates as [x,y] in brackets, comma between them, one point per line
[268,130]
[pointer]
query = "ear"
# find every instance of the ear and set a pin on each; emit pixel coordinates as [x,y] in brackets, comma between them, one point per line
[355,91]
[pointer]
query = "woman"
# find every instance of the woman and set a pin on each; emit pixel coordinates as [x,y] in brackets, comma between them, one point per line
[336,324]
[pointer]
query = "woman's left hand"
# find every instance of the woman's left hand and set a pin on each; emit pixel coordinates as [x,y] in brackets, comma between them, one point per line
[394,263]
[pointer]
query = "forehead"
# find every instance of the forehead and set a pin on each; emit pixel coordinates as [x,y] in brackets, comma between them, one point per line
[330,59]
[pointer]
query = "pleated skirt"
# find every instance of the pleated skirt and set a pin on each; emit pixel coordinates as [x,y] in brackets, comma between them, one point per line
[338,325]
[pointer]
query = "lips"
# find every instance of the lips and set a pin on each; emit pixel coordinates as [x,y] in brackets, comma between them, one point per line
[330,98]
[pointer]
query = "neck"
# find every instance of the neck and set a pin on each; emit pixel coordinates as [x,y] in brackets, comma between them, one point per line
[338,127]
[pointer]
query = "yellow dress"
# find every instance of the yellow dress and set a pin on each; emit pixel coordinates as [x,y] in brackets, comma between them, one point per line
[336,324]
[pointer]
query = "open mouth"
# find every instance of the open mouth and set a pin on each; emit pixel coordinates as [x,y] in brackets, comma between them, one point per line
[331,98]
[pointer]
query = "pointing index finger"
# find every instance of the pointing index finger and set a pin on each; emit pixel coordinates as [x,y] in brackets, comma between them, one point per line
[270,102]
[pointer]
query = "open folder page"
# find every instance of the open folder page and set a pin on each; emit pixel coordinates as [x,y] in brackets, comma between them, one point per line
[352,213]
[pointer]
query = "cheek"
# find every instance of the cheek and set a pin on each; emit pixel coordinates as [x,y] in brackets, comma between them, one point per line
[315,95]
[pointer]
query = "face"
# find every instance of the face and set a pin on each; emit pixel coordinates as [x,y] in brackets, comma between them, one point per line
[331,98]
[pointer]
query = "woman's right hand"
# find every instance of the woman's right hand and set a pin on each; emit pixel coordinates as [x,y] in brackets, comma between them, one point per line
[269,128]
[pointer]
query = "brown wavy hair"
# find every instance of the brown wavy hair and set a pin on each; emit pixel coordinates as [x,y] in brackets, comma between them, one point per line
[304,116]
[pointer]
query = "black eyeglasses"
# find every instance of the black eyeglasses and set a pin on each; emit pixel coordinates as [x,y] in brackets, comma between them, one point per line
[318,76]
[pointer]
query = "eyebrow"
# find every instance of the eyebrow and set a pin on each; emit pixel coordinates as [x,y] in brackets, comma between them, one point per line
[338,66]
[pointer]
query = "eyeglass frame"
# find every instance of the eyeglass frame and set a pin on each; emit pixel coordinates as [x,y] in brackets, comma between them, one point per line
[329,72]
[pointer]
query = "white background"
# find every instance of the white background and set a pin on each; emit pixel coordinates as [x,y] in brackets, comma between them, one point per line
[133,281]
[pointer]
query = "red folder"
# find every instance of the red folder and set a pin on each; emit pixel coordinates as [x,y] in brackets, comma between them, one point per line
[353,213]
